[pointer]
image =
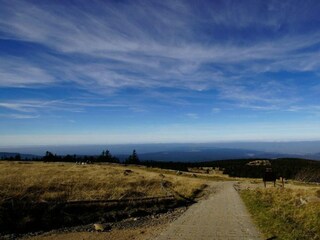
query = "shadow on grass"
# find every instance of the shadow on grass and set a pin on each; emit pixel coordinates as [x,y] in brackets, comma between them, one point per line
[25,216]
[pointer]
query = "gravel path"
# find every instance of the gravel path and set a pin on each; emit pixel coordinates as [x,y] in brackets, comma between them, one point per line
[221,216]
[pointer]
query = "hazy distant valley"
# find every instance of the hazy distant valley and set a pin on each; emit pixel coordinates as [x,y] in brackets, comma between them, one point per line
[182,152]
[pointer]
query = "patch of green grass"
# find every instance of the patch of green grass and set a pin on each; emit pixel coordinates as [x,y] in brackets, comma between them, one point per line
[279,213]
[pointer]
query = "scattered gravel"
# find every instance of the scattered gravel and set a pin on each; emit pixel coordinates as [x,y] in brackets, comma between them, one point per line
[129,223]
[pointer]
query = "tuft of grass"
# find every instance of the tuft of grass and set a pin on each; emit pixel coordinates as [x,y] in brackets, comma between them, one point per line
[284,213]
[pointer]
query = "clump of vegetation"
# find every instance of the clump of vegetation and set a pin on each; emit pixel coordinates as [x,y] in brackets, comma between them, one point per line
[285,213]
[289,168]
[308,175]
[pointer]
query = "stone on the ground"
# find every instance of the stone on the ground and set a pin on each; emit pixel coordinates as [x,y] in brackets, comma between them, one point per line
[99,227]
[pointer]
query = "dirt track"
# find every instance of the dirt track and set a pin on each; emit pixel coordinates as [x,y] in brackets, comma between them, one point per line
[221,216]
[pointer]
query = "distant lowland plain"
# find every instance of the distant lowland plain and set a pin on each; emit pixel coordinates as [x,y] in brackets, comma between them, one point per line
[181,152]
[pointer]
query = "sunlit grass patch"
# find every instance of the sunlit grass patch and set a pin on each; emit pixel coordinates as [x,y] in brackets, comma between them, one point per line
[285,213]
[66,182]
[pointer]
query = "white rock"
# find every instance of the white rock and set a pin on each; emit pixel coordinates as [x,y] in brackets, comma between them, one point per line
[99,227]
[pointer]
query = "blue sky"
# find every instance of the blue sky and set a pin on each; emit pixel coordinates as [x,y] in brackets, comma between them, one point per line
[103,72]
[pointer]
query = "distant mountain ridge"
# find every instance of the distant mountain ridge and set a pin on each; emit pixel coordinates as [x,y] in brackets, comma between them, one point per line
[315,156]
[301,148]
[211,155]
[192,155]
[22,155]
[215,154]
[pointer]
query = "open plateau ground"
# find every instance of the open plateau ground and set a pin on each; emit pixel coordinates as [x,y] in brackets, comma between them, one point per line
[135,202]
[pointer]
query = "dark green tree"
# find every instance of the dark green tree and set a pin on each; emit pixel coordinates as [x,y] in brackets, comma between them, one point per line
[49,157]
[133,158]
[107,157]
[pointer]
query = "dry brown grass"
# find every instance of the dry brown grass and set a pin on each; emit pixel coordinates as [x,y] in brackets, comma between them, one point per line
[289,213]
[67,181]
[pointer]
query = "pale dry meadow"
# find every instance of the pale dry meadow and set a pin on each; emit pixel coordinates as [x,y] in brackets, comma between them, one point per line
[40,182]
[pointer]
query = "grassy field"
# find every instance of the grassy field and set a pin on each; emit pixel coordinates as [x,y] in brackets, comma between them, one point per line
[41,196]
[290,213]
[66,182]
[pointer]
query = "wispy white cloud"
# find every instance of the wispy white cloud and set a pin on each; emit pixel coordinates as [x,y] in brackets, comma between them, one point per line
[30,106]
[192,115]
[35,108]
[116,32]
[19,116]
[215,110]
[17,72]
[112,47]
[305,108]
